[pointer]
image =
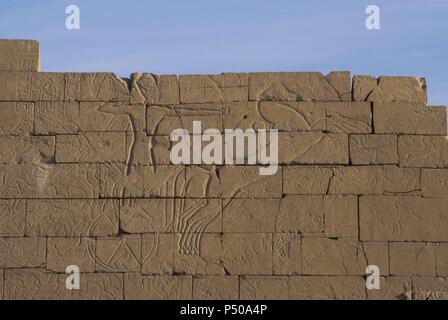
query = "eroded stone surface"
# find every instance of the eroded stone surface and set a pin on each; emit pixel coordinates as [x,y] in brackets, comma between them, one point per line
[12,218]
[389,89]
[353,117]
[22,252]
[423,151]
[56,118]
[302,288]
[373,149]
[408,258]
[20,55]
[17,118]
[147,88]
[137,287]
[215,288]
[63,252]
[399,218]
[409,118]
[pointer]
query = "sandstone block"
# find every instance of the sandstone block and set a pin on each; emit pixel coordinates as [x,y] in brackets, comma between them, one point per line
[12,218]
[412,258]
[435,183]
[137,287]
[313,148]
[341,216]
[72,218]
[409,118]
[399,218]
[389,89]
[213,88]
[99,286]
[63,252]
[302,288]
[103,87]
[35,284]
[392,288]
[283,116]
[91,147]
[17,118]
[49,181]
[215,288]
[198,254]
[423,151]
[147,88]
[247,253]
[287,254]
[22,252]
[348,117]
[377,253]
[231,253]
[26,149]
[306,180]
[121,254]
[373,149]
[332,257]
[162,120]
[44,86]
[340,80]
[292,86]
[119,180]
[250,215]
[111,116]
[442,259]
[399,180]
[357,180]
[157,253]
[232,182]
[430,288]
[301,214]
[56,118]
[21,55]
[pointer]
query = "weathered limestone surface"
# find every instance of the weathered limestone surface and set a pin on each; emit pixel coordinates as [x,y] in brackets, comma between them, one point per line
[86,179]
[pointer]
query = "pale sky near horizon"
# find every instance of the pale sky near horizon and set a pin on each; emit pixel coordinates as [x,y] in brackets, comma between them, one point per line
[205,36]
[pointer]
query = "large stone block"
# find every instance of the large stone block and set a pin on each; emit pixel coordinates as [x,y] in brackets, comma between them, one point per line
[389,89]
[435,183]
[287,253]
[302,288]
[21,55]
[392,288]
[226,87]
[283,116]
[341,216]
[348,117]
[399,218]
[306,179]
[63,252]
[111,116]
[412,258]
[17,118]
[56,118]
[91,147]
[138,287]
[333,257]
[373,149]
[157,253]
[148,88]
[122,254]
[22,252]
[72,218]
[293,86]
[442,259]
[215,288]
[103,87]
[423,151]
[409,118]
[26,150]
[232,182]
[49,181]
[430,288]
[12,218]
[313,148]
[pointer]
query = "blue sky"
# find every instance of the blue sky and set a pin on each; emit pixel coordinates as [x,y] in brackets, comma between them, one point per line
[207,36]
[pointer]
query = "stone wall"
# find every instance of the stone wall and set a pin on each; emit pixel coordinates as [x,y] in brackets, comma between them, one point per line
[86,180]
